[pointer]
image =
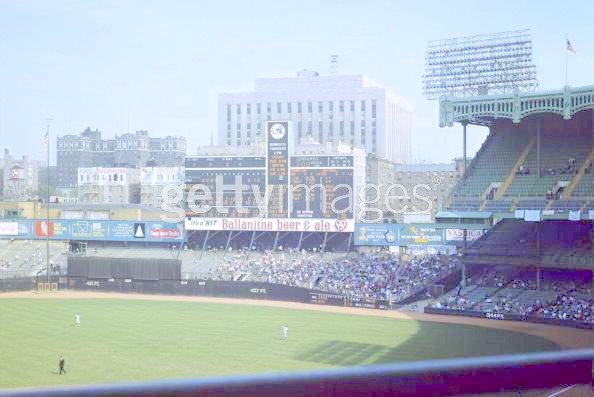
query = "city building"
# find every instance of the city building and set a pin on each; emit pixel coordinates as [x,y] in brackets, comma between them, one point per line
[409,192]
[88,149]
[98,185]
[154,179]
[101,211]
[337,108]
[19,178]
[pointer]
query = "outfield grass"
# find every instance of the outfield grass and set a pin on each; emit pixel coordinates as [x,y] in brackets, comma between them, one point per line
[145,340]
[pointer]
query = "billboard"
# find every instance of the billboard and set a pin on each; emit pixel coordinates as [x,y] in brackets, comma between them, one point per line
[95,230]
[277,168]
[17,173]
[88,230]
[44,229]
[376,234]
[420,234]
[458,234]
[271,225]
[385,234]
[9,228]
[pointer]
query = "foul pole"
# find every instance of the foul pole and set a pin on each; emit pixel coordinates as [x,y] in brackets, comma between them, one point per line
[47,205]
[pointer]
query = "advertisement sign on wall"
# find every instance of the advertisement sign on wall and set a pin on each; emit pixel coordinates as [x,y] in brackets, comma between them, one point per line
[44,228]
[93,230]
[418,234]
[458,234]
[376,234]
[9,228]
[271,225]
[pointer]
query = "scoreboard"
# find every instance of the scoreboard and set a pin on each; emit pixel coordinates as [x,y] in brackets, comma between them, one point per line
[322,186]
[226,171]
[226,162]
[277,184]
[321,161]
[277,167]
[310,185]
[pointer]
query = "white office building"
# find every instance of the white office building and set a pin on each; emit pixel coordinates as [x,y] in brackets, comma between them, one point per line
[97,185]
[338,109]
[154,179]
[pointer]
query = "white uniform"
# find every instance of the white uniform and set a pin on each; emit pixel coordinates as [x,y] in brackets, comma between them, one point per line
[77,320]
[285,332]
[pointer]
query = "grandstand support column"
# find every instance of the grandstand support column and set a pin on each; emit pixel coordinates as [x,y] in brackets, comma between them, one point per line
[538,278]
[324,243]
[538,243]
[228,240]
[463,278]
[251,247]
[464,124]
[348,249]
[300,241]
[204,243]
[275,241]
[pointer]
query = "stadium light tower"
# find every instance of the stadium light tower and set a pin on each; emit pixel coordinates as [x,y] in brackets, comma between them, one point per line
[496,63]
[479,65]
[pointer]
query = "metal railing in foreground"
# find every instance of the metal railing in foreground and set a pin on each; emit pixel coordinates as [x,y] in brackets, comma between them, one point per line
[436,378]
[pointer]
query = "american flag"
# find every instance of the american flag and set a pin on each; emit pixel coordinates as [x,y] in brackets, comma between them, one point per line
[45,140]
[570,47]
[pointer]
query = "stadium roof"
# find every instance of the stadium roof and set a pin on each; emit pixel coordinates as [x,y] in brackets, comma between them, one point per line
[464,214]
[484,109]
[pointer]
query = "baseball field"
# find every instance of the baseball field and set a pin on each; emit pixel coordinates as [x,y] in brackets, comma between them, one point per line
[131,337]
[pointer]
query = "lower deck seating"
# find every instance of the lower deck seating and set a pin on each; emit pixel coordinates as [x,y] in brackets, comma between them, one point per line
[562,296]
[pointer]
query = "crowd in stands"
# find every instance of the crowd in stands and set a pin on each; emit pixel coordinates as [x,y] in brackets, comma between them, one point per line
[565,307]
[569,169]
[373,277]
[522,170]
[495,292]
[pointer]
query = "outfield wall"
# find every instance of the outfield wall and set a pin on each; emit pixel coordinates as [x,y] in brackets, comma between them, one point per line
[17,284]
[252,290]
[213,288]
[210,288]
[223,289]
[106,268]
[509,317]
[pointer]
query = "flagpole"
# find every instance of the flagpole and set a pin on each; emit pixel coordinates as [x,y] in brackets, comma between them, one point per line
[566,56]
[47,204]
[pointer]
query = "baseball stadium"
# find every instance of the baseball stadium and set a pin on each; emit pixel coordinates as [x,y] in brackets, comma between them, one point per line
[301,301]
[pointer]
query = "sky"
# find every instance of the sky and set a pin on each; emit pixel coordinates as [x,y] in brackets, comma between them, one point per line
[122,66]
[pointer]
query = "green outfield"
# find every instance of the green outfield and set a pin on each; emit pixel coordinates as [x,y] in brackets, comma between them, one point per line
[145,340]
